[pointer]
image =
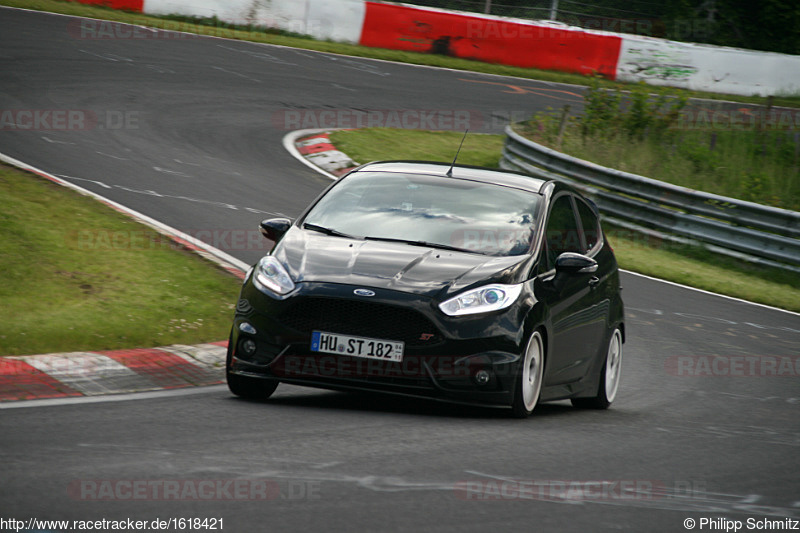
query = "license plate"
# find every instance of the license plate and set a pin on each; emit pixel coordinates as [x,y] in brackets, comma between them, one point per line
[357,346]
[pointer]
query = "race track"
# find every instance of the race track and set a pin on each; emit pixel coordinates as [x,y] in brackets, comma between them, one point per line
[188,131]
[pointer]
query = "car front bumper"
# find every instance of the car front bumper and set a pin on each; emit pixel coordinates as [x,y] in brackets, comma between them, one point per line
[468,359]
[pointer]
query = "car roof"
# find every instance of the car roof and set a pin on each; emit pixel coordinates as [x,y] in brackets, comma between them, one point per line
[506,178]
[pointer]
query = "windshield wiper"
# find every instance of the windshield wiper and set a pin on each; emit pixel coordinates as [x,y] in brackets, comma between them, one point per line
[421,243]
[327,231]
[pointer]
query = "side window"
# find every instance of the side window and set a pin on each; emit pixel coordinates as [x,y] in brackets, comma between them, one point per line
[562,230]
[590,223]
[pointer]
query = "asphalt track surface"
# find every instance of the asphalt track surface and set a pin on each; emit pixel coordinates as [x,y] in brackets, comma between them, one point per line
[205,153]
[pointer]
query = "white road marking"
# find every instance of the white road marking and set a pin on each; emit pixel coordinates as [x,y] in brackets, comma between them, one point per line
[236,74]
[695,289]
[187,163]
[150,192]
[99,183]
[108,57]
[112,156]
[259,55]
[174,172]
[53,141]
[160,70]
[344,61]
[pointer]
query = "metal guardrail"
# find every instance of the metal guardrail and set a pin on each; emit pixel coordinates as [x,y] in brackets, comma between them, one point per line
[745,227]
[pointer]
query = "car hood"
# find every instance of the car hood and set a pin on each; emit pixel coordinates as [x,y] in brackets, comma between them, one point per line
[313,257]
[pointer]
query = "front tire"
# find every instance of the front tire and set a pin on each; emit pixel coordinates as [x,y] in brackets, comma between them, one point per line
[529,378]
[250,388]
[609,377]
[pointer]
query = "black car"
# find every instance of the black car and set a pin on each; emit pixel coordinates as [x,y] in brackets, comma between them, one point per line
[460,284]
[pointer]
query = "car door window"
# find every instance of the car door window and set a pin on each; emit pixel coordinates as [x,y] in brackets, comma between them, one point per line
[591,225]
[562,230]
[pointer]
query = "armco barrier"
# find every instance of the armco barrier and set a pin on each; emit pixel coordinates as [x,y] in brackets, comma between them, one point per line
[746,227]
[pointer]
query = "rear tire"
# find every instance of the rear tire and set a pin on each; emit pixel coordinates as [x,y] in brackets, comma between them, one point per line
[247,387]
[609,377]
[529,378]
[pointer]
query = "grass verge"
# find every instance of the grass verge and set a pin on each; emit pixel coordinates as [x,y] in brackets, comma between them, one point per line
[77,275]
[651,136]
[213,27]
[688,265]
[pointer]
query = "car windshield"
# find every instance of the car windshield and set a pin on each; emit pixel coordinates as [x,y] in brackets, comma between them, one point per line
[427,210]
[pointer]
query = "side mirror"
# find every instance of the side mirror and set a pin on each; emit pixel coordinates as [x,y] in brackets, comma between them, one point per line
[572,263]
[275,228]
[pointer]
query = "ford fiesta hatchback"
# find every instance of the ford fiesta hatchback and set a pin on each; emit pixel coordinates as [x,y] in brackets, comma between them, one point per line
[459,284]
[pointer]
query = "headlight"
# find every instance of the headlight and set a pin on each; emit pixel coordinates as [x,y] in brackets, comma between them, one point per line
[482,300]
[271,276]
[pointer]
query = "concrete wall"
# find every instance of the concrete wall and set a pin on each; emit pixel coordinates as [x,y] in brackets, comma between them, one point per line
[338,20]
[707,68]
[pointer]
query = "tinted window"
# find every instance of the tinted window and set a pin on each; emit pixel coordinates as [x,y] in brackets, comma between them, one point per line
[480,217]
[562,230]
[590,223]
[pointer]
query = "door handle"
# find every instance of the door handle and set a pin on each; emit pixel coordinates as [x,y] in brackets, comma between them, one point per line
[594,281]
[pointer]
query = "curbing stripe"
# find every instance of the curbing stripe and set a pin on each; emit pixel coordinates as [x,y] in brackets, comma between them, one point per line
[209,356]
[21,381]
[111,372]
[315,148]
[165,369]
[89,373]
[319,150]
[331,163]
[314,139]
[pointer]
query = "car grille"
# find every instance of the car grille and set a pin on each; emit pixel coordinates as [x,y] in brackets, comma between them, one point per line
[364,319]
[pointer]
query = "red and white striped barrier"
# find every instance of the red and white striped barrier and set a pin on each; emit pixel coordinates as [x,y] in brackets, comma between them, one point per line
[490,39]
[136,6]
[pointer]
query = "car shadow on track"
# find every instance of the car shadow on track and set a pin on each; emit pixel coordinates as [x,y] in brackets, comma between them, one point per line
[386,403]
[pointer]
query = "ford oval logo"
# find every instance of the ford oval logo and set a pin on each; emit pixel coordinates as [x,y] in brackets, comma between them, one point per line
[364,292]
